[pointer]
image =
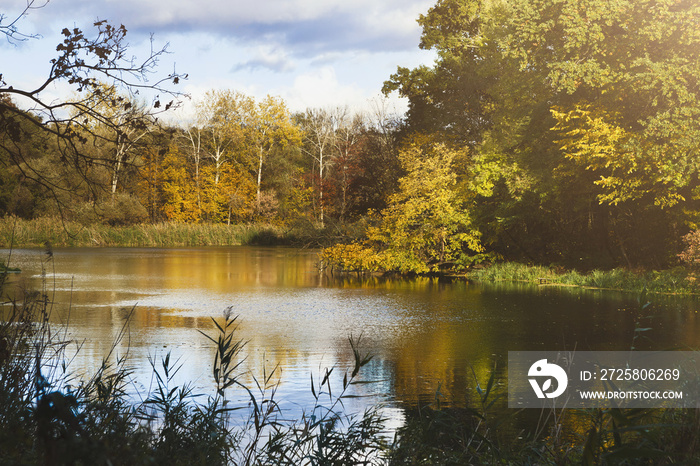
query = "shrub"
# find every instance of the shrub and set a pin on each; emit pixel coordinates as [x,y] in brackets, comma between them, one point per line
[350,258]
[121,210]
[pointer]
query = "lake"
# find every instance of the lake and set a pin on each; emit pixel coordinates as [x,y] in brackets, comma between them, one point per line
[424,333]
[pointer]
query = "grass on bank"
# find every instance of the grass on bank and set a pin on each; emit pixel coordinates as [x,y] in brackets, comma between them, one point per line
[21,233]
[679,280]
[15,232]
[358,259]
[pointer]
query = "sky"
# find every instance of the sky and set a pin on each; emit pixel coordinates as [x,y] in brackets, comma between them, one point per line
[312,53]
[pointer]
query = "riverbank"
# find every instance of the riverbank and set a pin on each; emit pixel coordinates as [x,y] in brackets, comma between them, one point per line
[678,280]
[19,233]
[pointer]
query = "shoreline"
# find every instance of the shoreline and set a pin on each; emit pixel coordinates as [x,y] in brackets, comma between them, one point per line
[679,281]
[17,233]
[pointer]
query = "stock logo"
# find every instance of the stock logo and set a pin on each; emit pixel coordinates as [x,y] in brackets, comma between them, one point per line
[541,374]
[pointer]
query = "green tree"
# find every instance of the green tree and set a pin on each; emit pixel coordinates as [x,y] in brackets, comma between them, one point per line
[623,87]
[19,195]
[626,73]
[452,97]
[581,127]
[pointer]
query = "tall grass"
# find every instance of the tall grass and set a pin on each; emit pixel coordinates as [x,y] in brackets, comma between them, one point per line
[677,280]
[35,233]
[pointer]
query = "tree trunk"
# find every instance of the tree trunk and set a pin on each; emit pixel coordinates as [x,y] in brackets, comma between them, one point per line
[260,165]
[320,189]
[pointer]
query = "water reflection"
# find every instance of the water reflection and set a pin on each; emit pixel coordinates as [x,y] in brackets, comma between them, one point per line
[425,332]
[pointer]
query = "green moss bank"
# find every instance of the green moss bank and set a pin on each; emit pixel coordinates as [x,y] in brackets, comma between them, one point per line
[678,280]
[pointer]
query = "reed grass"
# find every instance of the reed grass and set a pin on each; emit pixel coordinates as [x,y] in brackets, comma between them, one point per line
[15,232]
[49,417]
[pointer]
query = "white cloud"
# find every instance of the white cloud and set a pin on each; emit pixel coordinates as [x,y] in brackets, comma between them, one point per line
[312,53]
[304,27]
[265,57]
[321,88]
[238,12]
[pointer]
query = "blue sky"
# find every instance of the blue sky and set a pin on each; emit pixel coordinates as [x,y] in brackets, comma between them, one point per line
[313,53]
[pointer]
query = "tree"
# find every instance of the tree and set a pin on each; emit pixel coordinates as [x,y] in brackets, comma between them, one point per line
[451,97]
[623,93]
[239,134]
[10,30]
[579,120]
[426,226]
[377,164]
[193,135]
[179,198]
[270,127]
[18,194]
[84,62]
[237,194]
[625,70]
[128,124]
[346,144]
[223,121]
[150,193]
[318,126]
[331,139]
[224,117]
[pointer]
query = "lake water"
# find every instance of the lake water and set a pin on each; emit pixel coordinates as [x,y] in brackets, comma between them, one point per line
[425,333]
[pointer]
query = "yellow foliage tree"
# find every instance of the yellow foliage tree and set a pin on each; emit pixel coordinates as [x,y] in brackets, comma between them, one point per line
[270,126]
[179,193]
[238,192]
[426,226]
[629,165]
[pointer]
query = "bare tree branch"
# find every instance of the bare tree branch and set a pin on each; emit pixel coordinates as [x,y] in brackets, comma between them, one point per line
[89,64]
[10,30]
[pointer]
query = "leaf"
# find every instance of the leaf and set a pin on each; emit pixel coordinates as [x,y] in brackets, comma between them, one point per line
[313,390]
